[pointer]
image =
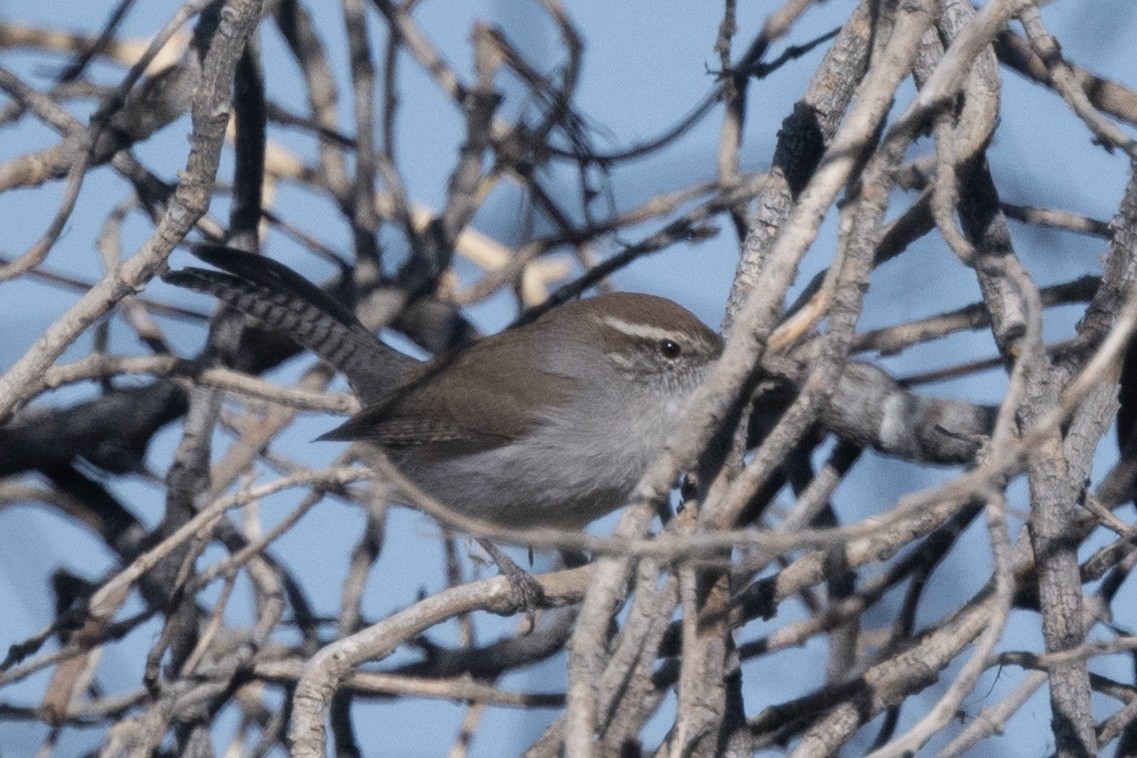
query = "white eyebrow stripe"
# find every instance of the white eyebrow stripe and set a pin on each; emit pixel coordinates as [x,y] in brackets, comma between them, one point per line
[640,329]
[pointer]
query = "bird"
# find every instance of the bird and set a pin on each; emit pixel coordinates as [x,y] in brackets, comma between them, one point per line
[549,424]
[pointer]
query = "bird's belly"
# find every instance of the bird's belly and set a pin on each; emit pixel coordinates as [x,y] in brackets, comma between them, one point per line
[517,486]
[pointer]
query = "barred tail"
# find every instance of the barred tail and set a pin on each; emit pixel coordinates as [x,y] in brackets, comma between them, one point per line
[283,300]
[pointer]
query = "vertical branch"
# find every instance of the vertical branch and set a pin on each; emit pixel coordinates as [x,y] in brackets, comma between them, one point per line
[250,119]
[299,33]
[364,216]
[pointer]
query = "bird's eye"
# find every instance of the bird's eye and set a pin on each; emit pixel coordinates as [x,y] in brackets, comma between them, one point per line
[670,349]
